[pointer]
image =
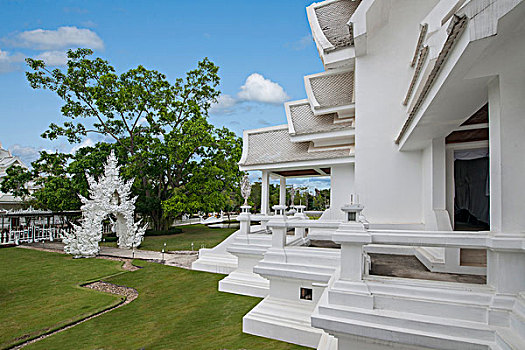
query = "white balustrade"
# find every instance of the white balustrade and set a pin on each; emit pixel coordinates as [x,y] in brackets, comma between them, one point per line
[29,235]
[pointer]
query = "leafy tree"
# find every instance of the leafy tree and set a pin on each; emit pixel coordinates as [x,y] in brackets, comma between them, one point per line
[159,130]
[16,181]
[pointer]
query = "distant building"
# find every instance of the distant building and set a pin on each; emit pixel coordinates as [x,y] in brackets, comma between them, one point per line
[7,160]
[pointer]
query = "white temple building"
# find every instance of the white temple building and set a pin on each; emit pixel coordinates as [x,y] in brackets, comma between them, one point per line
[7,160]
[419,120]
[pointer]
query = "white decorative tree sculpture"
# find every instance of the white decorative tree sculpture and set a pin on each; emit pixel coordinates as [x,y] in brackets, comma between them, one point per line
[110,195]
[246,189]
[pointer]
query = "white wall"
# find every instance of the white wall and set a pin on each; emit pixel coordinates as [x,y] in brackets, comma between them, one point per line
[341,187]
[389,182]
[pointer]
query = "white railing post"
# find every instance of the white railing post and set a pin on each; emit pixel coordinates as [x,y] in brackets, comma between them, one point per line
[352,234]
[244,219]
[300,232]
[278,227]
[505,272]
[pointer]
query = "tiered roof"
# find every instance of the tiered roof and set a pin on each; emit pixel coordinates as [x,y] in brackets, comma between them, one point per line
[333,17]
[330,91]
[273,146]
[302,121]
[320,129]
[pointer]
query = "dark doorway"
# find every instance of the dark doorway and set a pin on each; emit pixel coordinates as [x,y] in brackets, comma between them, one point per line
[472,192]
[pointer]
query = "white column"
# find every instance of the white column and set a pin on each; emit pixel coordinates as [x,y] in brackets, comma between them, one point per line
[341,187]
[434,173]
[507,149]
[265,192]
[282,191]
[352,262]
[505,268]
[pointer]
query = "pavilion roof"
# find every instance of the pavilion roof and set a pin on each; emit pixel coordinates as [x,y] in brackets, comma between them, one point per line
[302,121]
[273,146]
[333,17]
[330,89]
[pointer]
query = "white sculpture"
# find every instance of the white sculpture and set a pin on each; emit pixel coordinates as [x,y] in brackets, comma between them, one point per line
[292,195]
[110,195]
[246,189]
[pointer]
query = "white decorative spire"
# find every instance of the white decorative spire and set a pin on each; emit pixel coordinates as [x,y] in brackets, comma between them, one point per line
[110,195]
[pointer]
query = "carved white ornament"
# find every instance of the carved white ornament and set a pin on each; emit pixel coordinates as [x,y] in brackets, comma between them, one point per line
[246,188]
[292,195]
[110,195]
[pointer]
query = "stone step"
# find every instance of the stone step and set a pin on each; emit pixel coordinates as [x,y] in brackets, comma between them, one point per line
[399,335]
[414,322]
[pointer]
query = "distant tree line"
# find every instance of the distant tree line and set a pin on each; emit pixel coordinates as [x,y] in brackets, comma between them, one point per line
[319,200]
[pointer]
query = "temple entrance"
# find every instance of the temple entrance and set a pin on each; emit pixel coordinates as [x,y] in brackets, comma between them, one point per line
[472,190]
[468,173]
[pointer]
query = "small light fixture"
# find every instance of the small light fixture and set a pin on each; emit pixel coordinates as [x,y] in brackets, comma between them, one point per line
[353,210]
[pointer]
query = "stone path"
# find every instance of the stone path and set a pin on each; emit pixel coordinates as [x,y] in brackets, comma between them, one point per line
[182,259]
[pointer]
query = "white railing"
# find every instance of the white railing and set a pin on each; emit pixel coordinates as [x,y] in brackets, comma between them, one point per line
[506,251]
[29,235]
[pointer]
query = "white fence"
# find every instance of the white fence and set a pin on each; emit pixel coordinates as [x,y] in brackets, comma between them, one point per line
[30,235]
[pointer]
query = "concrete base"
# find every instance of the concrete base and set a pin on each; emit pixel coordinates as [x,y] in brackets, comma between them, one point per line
[243,281]
[217,259]
[412,314]
[249,250]
[283,320]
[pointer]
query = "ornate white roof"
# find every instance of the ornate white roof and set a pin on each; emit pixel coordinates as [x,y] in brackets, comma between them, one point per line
[333,17]
[331,91]
[302,121]
[7,160]
[330,30]
[273,146]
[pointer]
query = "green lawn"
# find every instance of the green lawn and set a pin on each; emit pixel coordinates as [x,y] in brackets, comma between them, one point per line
[200,235]
[176,308]
[39,291]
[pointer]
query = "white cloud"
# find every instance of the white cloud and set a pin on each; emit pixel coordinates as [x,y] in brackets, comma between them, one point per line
[86,143]
[53,58]
[63,37]
[259,89]
[256,88]
[224,105]
[9,62]
[27,154]
[301,44]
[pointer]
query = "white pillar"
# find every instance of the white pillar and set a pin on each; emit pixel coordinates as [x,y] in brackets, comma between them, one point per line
[265,193]
[351,262]
[282,191]
[434,173]
[341,187]
[507,148]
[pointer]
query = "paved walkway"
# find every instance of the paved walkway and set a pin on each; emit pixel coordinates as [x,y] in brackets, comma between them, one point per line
[179,259]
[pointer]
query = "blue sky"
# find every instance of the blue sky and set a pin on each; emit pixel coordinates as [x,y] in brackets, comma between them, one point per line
[263,49]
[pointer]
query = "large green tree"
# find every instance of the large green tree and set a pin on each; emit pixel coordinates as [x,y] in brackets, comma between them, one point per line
[159,130]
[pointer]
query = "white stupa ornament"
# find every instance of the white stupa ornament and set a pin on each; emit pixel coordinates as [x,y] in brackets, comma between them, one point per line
[110,195]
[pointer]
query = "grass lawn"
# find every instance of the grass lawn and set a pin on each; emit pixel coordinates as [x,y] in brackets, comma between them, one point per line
[175,309]
[39,291]
[198,234]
